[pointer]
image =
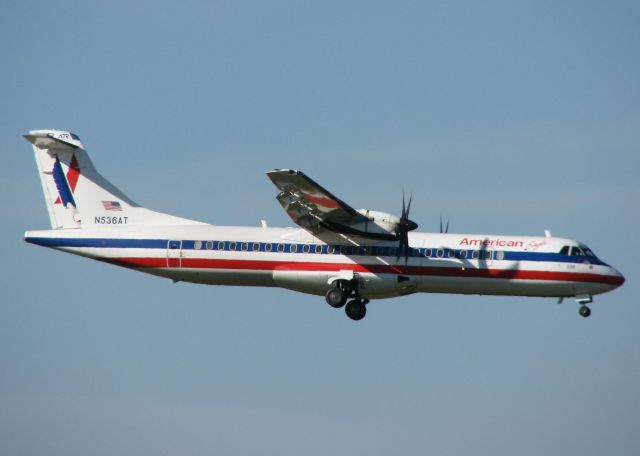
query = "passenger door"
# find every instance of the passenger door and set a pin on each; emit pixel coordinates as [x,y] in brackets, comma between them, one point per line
[174,254]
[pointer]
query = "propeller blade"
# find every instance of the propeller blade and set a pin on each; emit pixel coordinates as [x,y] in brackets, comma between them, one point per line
[404,226]
[444,229]
[403,247]
[406,248]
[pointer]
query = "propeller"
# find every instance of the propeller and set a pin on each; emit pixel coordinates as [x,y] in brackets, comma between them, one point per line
[402,230]
[446,228]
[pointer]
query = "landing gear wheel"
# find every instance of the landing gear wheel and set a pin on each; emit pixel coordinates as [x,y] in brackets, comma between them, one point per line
[585,311]
[336,297]
[356,310]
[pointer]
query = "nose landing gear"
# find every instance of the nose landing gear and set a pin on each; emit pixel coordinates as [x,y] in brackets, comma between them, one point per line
[585,311]
[583,300]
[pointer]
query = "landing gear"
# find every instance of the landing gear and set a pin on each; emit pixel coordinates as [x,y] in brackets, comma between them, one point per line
[344,290]
[356,309]
[585,311]
[336,297]
[583,300]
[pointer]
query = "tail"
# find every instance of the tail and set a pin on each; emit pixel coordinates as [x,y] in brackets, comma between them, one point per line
[77,196]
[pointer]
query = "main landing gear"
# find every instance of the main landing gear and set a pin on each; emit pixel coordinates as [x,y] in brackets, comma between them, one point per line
[356,309]
[338,295]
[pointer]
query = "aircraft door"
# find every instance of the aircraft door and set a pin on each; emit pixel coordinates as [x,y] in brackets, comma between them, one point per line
[174,254]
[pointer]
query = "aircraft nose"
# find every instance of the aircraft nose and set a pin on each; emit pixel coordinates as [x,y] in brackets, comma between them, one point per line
[619,278]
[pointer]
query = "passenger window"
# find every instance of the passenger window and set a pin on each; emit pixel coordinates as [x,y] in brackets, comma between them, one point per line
[245,246]
[232,245]
[209,245]
[451,253]
[267,247]
[500,255]
[294,248]
[474,254]
[280,247]
[305,248]
[440,253]
[256,246]
[427,252]
[318,248]
[462,254]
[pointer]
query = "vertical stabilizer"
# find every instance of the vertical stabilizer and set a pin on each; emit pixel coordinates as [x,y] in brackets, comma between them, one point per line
[77,196]
[58,170]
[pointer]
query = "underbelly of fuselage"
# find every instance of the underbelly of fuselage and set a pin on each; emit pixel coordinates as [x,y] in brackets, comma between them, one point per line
[381,285]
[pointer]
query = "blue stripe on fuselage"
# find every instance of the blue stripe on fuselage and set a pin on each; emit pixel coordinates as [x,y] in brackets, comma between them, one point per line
[99,242]
[191,245]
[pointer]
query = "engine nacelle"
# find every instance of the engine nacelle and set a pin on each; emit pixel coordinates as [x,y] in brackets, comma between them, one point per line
[378,223]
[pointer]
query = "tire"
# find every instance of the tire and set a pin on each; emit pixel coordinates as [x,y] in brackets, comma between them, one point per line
[585,311]
[356,310]
[335,297]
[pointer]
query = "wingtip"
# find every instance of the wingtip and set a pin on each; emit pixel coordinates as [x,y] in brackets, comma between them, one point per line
[285,171]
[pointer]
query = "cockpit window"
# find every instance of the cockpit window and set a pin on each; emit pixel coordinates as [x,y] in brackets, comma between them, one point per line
[564,250]
[588,252]
[576,251]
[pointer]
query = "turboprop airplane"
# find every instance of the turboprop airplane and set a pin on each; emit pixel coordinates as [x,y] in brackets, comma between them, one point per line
[350,256]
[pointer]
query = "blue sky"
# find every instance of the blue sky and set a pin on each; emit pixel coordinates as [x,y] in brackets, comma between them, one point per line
[509,117]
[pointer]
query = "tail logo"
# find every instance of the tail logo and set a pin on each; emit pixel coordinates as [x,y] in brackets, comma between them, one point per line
[66,184]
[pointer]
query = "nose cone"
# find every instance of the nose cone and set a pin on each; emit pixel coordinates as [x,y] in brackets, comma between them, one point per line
[617,278]
[411,225]
[405,225]
[620,277]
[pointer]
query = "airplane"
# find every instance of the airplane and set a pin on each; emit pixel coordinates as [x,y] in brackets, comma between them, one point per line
[348,256]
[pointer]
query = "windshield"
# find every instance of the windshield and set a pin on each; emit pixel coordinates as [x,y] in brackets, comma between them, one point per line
[583,250]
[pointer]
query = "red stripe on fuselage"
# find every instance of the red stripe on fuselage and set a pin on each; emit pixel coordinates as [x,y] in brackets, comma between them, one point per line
[516,274]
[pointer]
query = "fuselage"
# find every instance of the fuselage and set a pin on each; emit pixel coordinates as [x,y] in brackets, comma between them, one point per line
[295,259]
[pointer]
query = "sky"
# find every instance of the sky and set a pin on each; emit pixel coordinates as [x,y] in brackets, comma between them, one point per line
[506,117]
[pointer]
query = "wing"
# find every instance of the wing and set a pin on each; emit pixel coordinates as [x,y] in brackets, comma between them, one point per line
[312,206]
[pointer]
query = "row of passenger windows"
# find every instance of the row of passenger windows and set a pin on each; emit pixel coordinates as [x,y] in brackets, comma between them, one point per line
[577,251]
[345,250]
